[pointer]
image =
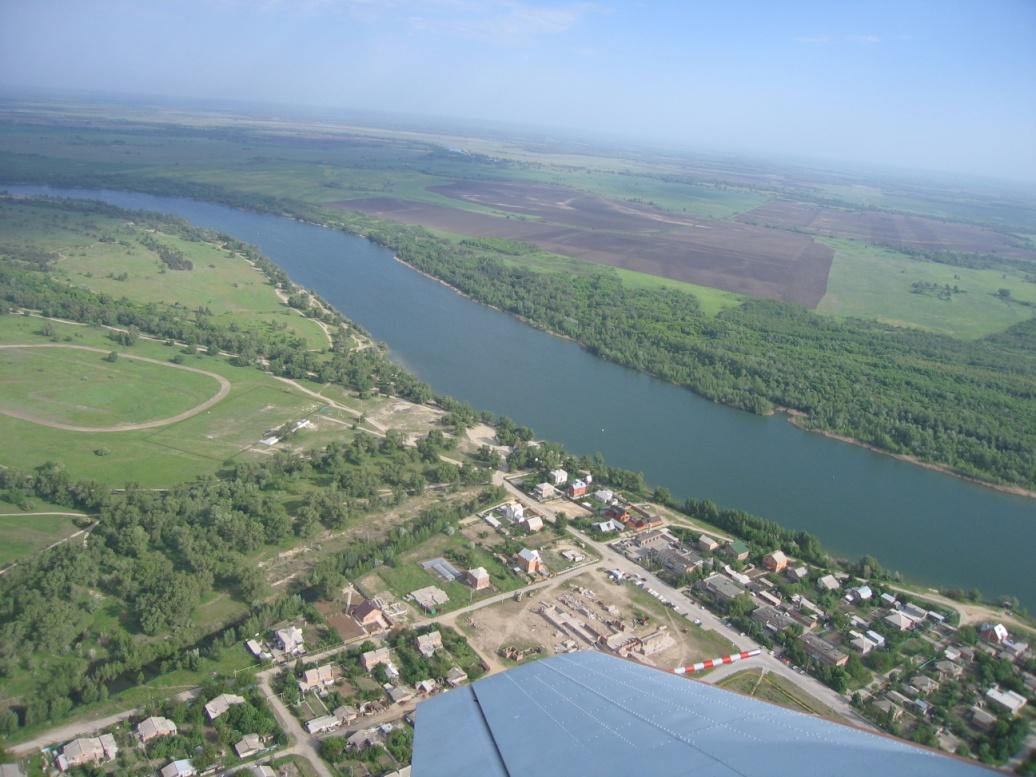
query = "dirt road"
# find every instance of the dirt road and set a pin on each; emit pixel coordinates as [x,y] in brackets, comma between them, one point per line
[224,389]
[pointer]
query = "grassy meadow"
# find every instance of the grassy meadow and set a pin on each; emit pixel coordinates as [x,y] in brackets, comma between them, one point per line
[871,282]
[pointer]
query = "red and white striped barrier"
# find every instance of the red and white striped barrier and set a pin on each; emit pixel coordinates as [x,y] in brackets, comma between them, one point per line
[713,663]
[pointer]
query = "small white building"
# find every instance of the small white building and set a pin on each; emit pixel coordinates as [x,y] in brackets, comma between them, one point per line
[290,640]
[828,583]
[544,491]
[155,727]
[181,768]
[604,495]
[322,724]
[249,745]
[899,620]
[428,643]
[221,704]
[513,511]
[558,477]
[532,523]
[1009,700]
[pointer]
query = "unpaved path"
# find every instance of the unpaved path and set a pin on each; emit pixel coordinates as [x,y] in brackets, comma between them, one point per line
[224,389]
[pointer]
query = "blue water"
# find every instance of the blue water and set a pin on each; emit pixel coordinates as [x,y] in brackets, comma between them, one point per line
[934,528]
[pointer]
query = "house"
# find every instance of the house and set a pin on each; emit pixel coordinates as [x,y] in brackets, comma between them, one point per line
[708,544]
[88,750]
[370,616]
[875,637]
[493,522]
[797,574]
[361,740]
[915,612]
[429,643]
[532,523]
[256,649]
[679,562]
[249,745]
[768,597]
[654,540]
[889,600]
[888,709]
[604,495]
[345,714]
[721,587]
[456,676]
[477,578]
[769,617]
[737,550]
[401,694]
[924,684]
[775,561]
[262,770]
[606,527]
[1008,700]
[618,513]
[153,727]
[372,658]
[861,593]
[513,511]
[994,633]
[576,488]
[544,491]
[982,719]
[823,651]
[317,678]
[948,669]
[430,597]
[1013,650]
[322,724]
[426,686]
[899,620]
[221,704]
[290,640]
[558,477]
[861,643]
[181,768]
[530,562]
[828,583]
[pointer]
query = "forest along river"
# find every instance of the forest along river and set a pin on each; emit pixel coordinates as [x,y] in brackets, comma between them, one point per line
[934,528]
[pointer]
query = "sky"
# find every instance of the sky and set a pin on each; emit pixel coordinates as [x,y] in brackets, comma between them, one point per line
[939,85]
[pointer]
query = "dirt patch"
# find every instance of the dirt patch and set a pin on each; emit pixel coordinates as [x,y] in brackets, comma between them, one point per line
[729,255]
[914,232]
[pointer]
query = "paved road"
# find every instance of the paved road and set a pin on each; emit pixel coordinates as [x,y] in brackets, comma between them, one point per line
[224,389]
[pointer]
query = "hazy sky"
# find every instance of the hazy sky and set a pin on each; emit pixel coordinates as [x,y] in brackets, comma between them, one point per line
[939,84]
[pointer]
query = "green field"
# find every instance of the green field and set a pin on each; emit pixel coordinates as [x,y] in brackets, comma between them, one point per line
[871,282]
[199,445]
[21,535]
[104,254]
[773,688]
[71,386]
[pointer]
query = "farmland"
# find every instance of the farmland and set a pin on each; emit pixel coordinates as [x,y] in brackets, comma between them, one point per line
[880,283]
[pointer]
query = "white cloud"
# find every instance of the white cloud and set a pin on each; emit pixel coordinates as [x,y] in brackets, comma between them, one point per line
[867,40]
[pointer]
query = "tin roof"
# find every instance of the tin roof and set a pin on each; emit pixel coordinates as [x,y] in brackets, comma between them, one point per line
[593,714]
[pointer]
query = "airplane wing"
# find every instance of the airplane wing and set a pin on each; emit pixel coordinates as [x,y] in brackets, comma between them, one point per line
[597,715]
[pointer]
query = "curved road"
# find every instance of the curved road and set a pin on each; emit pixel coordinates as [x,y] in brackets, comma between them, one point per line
[224,389]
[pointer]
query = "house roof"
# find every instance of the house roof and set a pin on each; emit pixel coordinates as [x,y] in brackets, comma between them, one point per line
[590,713]
[181,768]
[529,555]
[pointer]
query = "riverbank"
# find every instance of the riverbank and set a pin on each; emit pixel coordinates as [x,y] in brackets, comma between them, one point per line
[796,419]
[692,446]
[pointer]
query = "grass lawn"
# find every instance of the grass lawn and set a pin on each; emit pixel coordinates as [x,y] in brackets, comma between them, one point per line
[776,689]
[199,445]
[221,281]
[82,388]
[23,535]
[876,283]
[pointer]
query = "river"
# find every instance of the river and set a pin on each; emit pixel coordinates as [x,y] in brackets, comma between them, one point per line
[934,528]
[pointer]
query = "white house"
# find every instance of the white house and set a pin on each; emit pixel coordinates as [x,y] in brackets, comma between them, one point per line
[290,640]
[558,477]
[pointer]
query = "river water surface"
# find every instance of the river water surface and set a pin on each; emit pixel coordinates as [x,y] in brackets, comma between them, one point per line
[934,528]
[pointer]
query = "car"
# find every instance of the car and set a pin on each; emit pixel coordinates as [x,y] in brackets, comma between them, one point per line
[697,621]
